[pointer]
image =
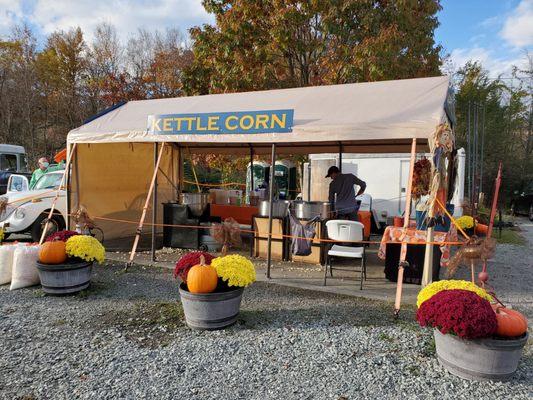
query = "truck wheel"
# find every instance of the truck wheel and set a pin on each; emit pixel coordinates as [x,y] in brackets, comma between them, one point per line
[56,224]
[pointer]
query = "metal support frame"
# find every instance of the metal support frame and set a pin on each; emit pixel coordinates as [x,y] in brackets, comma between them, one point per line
[145,209]
[251,169]
[340,157]
[469,153]
[403,252]
[154,203]
[270,209]
[61,184]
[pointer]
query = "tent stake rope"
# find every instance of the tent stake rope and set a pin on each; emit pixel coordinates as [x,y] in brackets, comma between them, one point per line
[145,208]
[52,209]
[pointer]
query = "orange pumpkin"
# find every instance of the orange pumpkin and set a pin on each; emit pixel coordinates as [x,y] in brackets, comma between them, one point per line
[481,229]
[202,278]
[511,323]
[53,252]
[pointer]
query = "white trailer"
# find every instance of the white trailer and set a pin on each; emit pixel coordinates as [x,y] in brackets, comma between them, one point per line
[386,176]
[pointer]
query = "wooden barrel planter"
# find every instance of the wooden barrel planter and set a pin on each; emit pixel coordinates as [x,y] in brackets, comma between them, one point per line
[69,277]
[211,311]
[481,359]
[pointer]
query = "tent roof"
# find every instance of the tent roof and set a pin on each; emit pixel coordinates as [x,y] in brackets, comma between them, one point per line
[365,117]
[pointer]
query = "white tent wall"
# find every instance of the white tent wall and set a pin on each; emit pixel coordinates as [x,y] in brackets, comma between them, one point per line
[112,180]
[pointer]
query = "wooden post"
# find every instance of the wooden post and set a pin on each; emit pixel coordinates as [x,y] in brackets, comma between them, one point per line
[270,209]
[495,200]
[145,208]
[154,203]
[403,252]
[51,212]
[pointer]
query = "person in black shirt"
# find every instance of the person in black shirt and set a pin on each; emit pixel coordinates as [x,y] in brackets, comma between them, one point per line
[342,193]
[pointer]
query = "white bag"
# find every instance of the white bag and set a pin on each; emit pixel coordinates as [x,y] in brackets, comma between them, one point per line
[7,251]
[24,267]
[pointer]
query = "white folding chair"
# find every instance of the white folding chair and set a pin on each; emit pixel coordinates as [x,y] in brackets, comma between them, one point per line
[345,231]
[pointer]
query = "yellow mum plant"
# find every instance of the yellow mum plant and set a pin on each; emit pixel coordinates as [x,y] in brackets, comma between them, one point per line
[236,270]
[85,247]
[465,222]
[434,288]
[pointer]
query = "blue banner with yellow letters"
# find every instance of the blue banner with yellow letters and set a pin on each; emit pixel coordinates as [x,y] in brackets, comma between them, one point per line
[268,121]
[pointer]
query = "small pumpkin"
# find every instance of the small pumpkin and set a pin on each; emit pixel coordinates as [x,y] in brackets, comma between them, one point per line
[53,252]
[202,278]
[511,323]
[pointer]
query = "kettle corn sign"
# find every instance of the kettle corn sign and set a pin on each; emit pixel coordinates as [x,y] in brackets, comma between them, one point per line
[268,121]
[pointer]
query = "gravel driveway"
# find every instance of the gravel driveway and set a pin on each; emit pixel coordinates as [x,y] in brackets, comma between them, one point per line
[125,339]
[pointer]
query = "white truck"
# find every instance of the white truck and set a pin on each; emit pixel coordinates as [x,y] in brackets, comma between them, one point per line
[27,210]
[386,176]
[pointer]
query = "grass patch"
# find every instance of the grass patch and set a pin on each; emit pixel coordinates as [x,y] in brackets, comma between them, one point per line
[509,236]
[148,324]
[429,348]
[94,289]
[386,338]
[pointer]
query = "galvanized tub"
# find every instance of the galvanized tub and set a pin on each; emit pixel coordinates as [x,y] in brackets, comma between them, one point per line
[480,359]
[311,209]
[210,311]
[65,278]
[280,208]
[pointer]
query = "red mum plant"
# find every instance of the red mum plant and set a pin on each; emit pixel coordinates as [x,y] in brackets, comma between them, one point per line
[459,312]
[187,261]
[61,235]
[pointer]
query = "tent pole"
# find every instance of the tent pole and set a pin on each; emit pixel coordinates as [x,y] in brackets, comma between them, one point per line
[180,172]
[154,203]
[251,170]
[407,214]
[145,208]
[340,157]
[270,208]
[65,174]
[69,200]
[194,171]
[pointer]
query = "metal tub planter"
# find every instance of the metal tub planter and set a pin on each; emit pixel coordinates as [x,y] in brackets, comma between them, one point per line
[70,277]
[211,293]
[211,311]
[480,359]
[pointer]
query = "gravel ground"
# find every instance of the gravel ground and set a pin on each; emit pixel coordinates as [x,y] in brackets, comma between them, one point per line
[125,339]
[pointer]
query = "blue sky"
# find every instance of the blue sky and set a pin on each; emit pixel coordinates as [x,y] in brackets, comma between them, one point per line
[496,32]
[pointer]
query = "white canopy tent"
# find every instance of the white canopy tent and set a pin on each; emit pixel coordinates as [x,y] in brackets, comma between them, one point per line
[115,153]
[364,117]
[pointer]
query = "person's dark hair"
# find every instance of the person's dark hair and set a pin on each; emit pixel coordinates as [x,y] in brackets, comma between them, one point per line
[333,170]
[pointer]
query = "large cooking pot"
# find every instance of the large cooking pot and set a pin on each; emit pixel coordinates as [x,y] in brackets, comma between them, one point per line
[197,202]
[310,209]
[280,208]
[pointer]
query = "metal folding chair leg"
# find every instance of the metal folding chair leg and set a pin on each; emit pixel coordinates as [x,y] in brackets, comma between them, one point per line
[362,272]
[326,269]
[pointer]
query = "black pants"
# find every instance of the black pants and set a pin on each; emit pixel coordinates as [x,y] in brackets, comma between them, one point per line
[351,216]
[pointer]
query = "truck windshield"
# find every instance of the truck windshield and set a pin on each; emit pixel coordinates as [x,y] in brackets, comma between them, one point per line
[48,181]
[8,162]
